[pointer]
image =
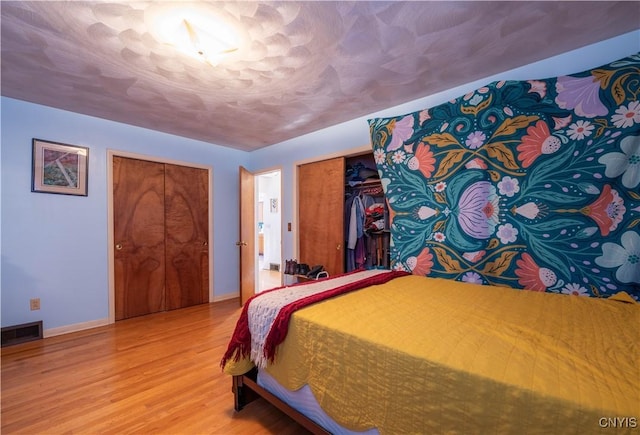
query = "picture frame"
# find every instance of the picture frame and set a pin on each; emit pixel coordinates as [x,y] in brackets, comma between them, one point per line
[59,168]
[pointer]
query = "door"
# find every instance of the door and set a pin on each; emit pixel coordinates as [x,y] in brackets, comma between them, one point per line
[139,255]
[161,233]
[186,236]
[246,242]
[321,214]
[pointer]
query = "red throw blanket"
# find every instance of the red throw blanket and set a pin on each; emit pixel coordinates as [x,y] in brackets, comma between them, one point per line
[240,344]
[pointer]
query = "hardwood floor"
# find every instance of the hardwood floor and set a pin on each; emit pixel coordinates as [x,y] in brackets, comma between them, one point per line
[155,374]
[267,279]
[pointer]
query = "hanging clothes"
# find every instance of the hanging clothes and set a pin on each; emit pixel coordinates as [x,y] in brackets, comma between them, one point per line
[355,219]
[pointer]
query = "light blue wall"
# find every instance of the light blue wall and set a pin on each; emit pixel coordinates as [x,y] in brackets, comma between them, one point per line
[355,133]
[54,247]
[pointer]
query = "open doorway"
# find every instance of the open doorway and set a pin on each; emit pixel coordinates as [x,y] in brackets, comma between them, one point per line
[269,230]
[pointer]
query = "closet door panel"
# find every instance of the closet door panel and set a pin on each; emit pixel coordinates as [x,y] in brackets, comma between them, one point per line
[139,254]
[321,215]
[186,236]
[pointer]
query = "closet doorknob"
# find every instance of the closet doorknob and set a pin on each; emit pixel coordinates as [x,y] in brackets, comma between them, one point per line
[339,246]
[118,246]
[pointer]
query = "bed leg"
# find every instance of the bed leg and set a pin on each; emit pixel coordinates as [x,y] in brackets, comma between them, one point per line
[245,390]
[243,394]
[238,394]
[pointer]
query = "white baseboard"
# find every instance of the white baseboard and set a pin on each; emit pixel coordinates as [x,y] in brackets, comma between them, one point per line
[225,297]
[51,332]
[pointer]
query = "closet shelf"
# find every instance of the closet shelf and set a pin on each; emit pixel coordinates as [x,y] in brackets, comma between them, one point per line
[366,183]
[373,188]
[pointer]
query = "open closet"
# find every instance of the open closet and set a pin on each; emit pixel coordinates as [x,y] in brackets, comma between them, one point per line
[366,225]
[332,232]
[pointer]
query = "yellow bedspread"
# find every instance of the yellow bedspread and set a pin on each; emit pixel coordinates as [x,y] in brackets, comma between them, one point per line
[433,356]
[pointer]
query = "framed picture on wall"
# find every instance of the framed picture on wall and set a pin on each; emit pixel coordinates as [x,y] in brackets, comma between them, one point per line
[59,168]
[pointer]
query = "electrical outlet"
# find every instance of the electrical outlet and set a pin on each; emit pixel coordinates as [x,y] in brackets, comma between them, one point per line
[34,304]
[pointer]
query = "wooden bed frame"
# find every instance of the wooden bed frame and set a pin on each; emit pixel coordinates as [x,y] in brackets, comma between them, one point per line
[245,390]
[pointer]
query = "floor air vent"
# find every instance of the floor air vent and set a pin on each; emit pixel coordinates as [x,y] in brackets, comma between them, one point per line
[21,333]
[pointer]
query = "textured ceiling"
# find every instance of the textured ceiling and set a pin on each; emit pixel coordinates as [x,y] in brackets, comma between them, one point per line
[301,66]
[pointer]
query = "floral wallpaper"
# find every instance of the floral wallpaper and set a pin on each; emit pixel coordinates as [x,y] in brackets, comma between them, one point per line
[528,184]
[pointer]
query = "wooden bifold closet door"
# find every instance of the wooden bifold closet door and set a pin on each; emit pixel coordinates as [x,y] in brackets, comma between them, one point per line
[161,235]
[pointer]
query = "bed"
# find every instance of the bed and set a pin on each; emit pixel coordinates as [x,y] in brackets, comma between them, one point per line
[512,303]
[449,357]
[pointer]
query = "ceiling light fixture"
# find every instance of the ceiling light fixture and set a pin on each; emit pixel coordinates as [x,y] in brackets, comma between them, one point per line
[205,45]
[195,32]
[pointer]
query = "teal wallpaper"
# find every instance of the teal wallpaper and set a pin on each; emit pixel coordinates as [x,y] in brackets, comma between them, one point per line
[529,184]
